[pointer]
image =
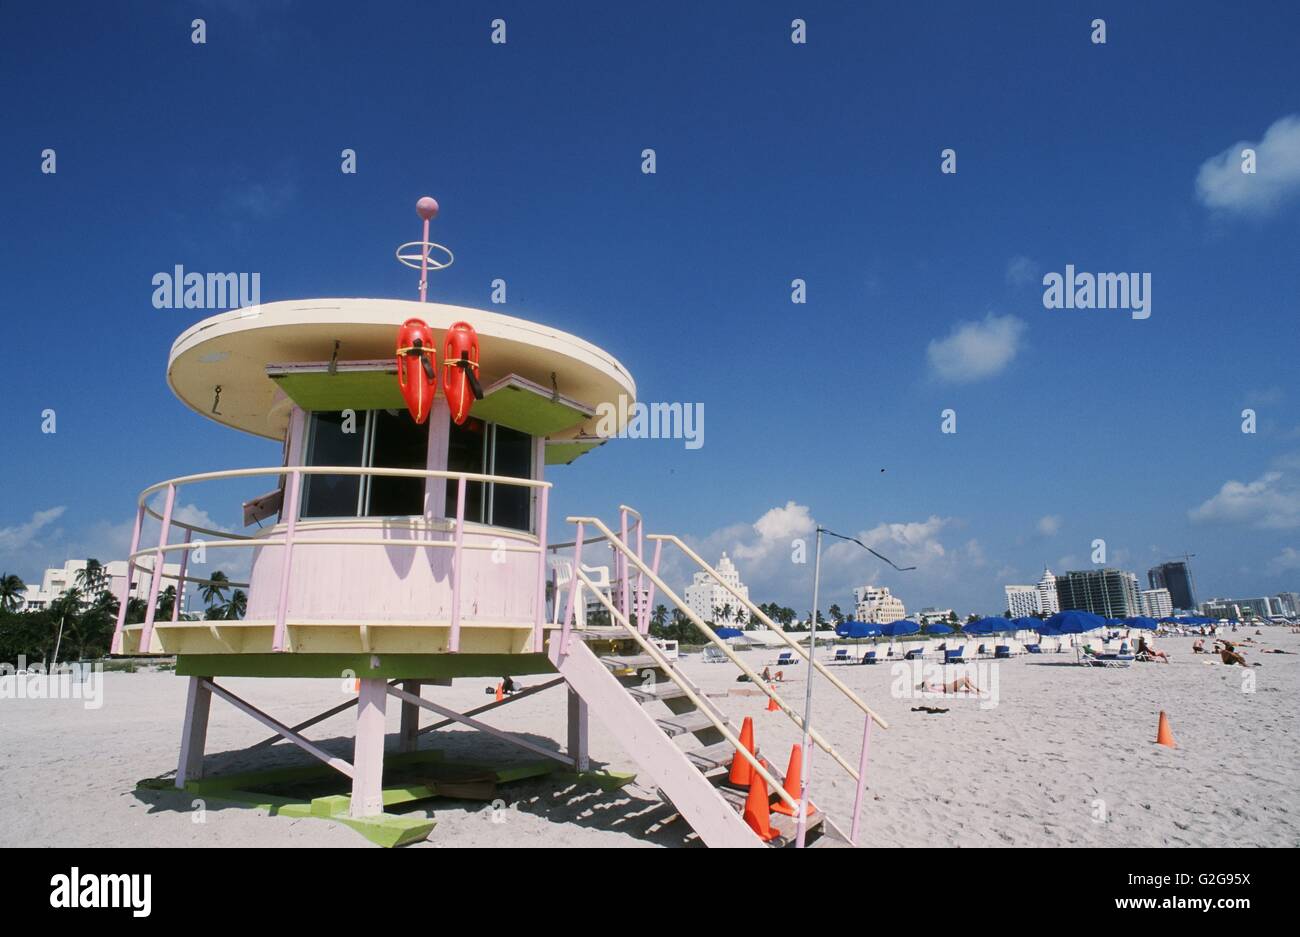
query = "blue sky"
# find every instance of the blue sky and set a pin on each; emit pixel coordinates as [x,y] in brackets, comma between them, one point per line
[775,161]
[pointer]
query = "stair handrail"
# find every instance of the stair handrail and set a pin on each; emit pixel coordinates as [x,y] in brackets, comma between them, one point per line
[666,666]
[773,626]
[722,645]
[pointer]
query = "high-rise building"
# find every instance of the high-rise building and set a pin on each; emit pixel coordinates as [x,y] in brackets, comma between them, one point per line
[1111,593]
[1288,604]
[1176,576]
[1241,609]
[710,601]
[875,604]
[1049,602]
[1156,603]
[1022,600]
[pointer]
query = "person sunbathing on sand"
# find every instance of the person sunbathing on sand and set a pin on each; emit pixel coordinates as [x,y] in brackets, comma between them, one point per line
[1230,656]
[961,683]
[1149,652]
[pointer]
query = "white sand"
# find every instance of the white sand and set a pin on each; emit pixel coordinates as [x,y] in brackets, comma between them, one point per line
[1063,746]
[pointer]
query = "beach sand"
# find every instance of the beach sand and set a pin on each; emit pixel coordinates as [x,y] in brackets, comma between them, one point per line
[1065,758]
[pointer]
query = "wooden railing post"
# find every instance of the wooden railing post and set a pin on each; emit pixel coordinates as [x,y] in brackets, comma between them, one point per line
[290,510]
[116,646]
[453,644]
[541,572]
[180,580]
[146,633]
[573,591]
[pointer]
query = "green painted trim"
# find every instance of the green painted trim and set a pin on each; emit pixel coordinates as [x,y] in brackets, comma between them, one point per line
[521,408]
[389,831]
[564,451]
[358,390]
[391,666]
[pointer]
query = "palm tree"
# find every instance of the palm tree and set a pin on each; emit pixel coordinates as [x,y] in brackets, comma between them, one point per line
[12,590]
[236,607]
[166,602]
[660,616]
[91,579]
[215,588]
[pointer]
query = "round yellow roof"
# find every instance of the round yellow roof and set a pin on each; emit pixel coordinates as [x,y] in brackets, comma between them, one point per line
[233,349]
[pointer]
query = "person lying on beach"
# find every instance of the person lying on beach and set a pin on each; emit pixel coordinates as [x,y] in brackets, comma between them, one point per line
[1275,650]
[1230,656]
[1148,652]
[961,683]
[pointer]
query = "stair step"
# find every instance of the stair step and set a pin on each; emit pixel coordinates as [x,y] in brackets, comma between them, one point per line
[662,690]
[693,721]
[714,756]
[637,662]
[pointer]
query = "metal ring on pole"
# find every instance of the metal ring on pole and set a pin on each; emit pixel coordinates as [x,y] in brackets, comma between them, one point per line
[420,260]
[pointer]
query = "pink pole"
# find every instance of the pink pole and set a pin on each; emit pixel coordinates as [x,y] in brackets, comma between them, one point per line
[126,591]
[180,580]
[573,591]
[291,525]
[622,566]
[862,782]
[640,579]
[456,556]
[541,572]
[650,597]
[424,263]
[147,631]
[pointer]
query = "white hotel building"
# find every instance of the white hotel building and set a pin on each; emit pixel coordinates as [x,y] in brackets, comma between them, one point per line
[876,605]
[1156,603]
[60,579]
[706,598]
[1022,601]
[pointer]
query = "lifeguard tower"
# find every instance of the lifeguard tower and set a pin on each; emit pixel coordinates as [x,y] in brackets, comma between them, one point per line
[404,555]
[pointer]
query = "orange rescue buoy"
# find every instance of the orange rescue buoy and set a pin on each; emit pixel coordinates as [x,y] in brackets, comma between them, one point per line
[460,370]
[417,373]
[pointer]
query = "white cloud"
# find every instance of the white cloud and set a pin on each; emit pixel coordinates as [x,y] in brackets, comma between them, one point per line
[1221,185]
[1272,501]
[16,539]
[1021,271]
[1049,524]
[1288,559]
[976,350]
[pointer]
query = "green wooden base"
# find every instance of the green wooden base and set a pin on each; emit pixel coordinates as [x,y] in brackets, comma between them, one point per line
[289,792]
[385,666]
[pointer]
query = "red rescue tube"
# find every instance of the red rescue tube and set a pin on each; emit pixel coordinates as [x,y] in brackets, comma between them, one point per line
[460,370]
[417,373]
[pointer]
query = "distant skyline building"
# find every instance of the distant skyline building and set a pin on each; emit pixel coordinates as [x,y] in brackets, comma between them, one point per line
[1289,604]
[1049,602]
[707,598]
[929,615]
[1156,603]
[876,604]
[1111,593]
[1022,600]
[1236,609]
[1176,576]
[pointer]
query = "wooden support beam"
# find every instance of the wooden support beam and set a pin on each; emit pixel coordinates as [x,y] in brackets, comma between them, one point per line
[338,764]
[578,724]
[194,734]
[368,749]
[494,705]
[475,724]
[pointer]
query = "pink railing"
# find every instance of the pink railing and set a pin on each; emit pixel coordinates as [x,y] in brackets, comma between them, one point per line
[288,539]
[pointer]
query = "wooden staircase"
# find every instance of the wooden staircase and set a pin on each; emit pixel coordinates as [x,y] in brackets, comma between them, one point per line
[651,706]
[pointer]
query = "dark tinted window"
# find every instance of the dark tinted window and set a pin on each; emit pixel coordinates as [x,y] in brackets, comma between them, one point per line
[398,442]
[513,457]
[466,450]
[333,495]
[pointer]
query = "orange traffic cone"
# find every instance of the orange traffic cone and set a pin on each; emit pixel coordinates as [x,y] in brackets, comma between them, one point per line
[501,692]
[741,769]
[771,701]
[793,783]
[356,686]
[1163,735]
[758,807]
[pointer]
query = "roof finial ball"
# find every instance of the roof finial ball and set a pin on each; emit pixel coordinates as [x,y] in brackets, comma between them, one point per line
[427,208]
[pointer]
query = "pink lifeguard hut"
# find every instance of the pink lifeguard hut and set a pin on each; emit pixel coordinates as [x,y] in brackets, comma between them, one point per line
[403,555]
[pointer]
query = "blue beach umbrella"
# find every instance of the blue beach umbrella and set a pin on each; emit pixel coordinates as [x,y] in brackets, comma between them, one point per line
[938,628]
[1140,621]
[857,629]
[1074,621]
[899,628]
[728,632]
